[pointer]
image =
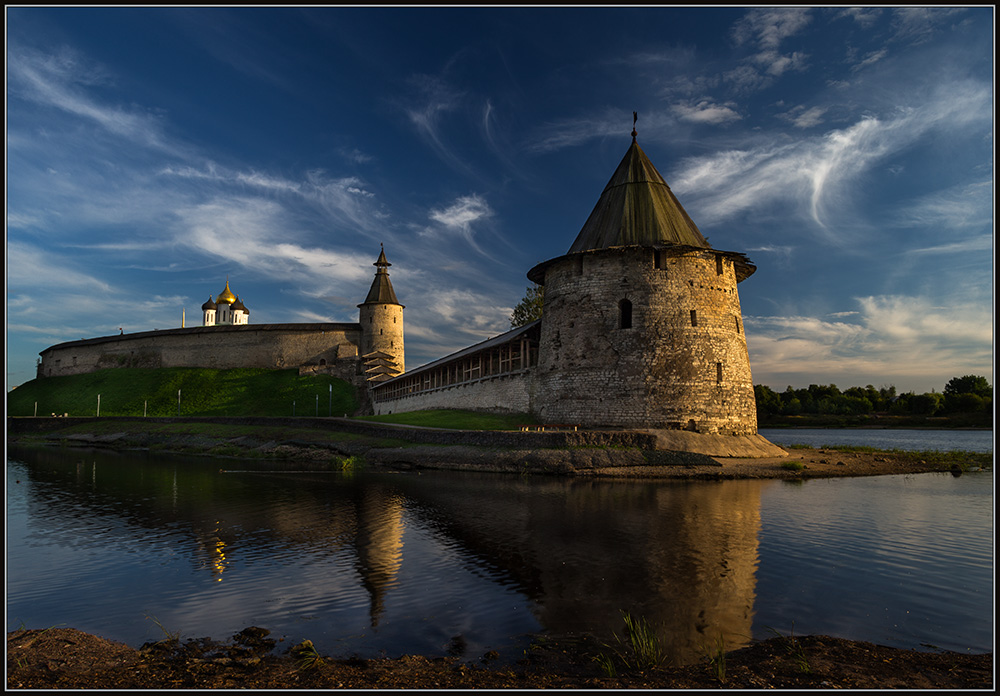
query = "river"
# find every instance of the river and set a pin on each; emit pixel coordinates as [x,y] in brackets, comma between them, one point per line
[884,439]
[122,544]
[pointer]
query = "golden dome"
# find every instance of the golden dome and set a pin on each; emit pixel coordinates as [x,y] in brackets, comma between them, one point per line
[226,296]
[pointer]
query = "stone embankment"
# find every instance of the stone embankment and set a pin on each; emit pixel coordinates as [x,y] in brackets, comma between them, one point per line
[325,443]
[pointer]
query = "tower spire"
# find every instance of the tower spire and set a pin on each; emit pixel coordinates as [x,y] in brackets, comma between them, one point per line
[635,118]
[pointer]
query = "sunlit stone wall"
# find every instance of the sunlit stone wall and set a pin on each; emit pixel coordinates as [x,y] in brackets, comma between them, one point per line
[500,394]
[644,337]
[333,347]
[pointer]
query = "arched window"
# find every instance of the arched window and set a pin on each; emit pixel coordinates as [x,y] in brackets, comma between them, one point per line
[624,314]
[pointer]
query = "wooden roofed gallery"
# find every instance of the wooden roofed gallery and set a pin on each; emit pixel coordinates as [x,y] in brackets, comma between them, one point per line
[508,354]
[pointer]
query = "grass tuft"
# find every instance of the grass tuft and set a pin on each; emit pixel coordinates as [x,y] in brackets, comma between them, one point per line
[716,657]
[793,648]
[640,648]
[306,656]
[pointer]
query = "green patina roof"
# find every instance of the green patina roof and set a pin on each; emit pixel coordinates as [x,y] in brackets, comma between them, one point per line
[637,208]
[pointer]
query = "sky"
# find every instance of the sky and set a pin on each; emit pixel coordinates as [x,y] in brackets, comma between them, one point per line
[152,153]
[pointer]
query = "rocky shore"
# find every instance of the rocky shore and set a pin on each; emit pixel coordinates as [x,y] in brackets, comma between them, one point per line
[63,658]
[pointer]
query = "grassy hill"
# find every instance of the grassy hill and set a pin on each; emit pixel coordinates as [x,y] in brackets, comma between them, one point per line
[204,392]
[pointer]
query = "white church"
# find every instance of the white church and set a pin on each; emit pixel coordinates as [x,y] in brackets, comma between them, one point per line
[226,310]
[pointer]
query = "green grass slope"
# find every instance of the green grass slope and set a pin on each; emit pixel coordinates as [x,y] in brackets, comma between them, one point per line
[204,392]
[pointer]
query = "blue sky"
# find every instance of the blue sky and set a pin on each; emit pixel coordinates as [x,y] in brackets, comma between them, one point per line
[152,152]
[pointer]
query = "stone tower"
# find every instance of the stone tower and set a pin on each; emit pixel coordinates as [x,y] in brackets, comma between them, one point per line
[641,325]
[381,318]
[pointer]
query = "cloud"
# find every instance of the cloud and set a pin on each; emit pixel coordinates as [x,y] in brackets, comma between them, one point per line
[59,80]
[865,17]
[571,132]
[31,268]
[917,24]
[817,176]
[706,111]
[436,98]
[766,30]
[450,319]
[801,117]
[958,207]
[892,337]
[870,59]
[255,234]
[459,217]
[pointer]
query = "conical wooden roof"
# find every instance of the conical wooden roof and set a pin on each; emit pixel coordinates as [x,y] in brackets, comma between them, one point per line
[637,208]
[381,291]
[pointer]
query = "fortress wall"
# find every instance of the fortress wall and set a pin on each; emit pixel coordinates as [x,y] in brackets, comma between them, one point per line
[505,393]
[670,368]
[222,347]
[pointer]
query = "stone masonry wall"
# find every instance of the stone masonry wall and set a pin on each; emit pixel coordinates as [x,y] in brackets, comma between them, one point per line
[262,345]
[383,331]
[677,359]
[506,393]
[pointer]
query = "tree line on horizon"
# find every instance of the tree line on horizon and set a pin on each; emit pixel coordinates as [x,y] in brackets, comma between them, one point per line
[967,394]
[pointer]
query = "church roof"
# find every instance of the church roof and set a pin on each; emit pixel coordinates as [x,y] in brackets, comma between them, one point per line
[210,304]
[238,304]
[637,208]
[226,296]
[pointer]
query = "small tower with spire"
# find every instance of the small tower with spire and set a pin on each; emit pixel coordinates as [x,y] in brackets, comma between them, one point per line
[381,318]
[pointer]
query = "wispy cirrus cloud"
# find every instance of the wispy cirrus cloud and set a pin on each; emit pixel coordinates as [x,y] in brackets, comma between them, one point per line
[707,111]
[65,79]
[435,99]
[766,30]
[813,175]
[459,218]
[957,207]
[802,117]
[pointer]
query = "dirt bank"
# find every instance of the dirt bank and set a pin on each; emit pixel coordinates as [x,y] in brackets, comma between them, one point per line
[329,443]
[68,659]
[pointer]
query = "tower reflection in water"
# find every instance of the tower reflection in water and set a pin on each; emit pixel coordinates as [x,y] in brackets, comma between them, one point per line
[681,555]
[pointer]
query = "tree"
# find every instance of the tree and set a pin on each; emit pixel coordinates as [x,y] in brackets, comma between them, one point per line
[969,384]
[768,401]
[529,308]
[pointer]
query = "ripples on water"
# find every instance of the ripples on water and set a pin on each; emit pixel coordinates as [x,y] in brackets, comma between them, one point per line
[426,563]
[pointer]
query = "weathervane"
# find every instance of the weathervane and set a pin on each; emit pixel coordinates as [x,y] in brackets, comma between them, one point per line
[635,118]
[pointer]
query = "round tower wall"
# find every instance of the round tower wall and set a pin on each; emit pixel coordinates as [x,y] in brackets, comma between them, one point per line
[382,330]
[644,337]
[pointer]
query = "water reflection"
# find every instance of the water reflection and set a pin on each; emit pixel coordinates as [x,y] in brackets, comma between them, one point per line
[681,555]
[405,563]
